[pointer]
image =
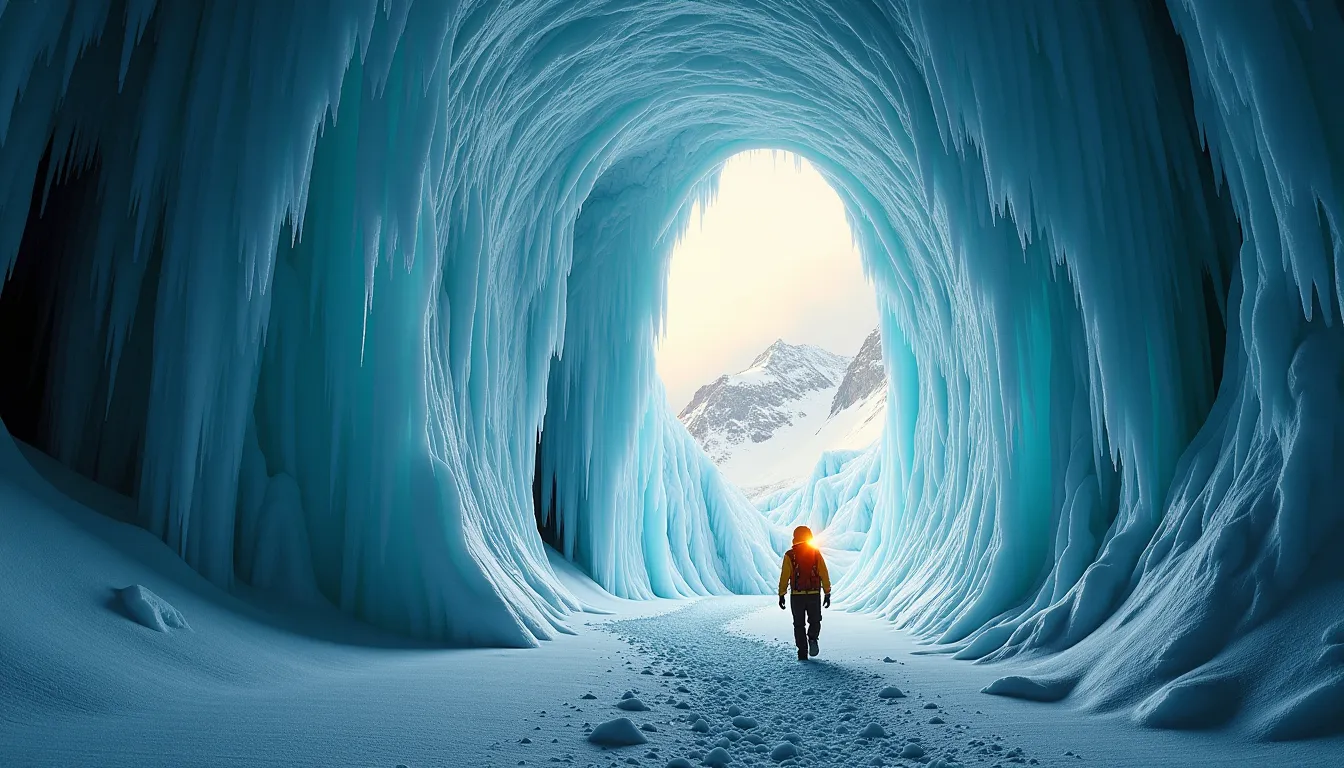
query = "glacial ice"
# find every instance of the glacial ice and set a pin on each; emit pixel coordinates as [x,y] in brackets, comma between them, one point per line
[351,297]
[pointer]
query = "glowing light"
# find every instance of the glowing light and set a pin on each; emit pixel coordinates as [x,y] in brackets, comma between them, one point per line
[772,257]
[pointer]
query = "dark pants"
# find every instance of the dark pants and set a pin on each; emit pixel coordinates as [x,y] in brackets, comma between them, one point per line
[805,607]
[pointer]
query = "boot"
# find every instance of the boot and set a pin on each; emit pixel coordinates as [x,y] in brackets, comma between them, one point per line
[812,648]
[802,655]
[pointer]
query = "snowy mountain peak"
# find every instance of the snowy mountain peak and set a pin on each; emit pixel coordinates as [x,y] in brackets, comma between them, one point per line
[753,403]
[864,376]
[765,426]
[805,366]
[779,346]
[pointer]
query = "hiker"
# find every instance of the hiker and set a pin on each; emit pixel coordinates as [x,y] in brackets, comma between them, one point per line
[805,572]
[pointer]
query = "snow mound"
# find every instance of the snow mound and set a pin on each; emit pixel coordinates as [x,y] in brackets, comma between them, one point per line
[151,610]
[891,692]
[1315,712]
[744,722]
[1199,703]
[1015,686]
[717,758]
[873,731]
[620,732]
[783,751]
[632,704]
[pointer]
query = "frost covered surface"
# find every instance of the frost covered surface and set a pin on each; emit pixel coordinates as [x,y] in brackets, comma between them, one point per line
[326,272]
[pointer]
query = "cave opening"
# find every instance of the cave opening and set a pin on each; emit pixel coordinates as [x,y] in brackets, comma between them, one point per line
[1116,409]
[769,349]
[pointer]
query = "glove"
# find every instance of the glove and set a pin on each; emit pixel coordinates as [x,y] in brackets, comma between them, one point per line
[781,602]
[826,601]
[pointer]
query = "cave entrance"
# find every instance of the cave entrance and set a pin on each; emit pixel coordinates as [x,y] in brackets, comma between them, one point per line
[771,357]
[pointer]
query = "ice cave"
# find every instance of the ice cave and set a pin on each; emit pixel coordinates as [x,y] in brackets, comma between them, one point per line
[332,433]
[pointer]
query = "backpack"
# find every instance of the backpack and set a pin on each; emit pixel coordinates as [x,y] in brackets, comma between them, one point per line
[806,578]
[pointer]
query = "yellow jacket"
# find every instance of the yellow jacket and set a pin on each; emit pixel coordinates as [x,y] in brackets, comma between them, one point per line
[786,575]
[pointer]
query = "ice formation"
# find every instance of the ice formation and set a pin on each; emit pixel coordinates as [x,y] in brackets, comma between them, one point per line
[361,284]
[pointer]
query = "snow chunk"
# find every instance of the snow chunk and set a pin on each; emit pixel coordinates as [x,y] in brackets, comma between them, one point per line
[890,692]
[632,704]
[744,722]
[151,610]
[873,731]
[718,757]
[783,751]
[912,751]
[620,732]
[1018,687]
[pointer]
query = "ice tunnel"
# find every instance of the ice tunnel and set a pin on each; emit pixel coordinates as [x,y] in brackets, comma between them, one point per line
[353,298]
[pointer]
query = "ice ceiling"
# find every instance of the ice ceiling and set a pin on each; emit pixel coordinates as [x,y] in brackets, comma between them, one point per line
[308,279]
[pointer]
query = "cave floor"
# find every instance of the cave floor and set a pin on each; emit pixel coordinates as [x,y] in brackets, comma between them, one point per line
[257,684]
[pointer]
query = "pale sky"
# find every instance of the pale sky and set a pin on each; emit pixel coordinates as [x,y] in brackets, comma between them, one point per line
[771,258]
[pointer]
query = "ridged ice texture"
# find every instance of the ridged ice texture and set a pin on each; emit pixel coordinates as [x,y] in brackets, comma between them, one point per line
[1066,209]
[837,501]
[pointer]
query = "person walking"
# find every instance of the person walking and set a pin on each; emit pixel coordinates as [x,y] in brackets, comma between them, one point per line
[804,573]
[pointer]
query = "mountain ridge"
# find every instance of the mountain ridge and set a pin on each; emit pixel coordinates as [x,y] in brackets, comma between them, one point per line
[766,425]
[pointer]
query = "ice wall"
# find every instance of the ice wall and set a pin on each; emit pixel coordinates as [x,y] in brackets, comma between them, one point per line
[318,274]
[308,271]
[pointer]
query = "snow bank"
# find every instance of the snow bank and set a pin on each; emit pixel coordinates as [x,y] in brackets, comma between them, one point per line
[397,241]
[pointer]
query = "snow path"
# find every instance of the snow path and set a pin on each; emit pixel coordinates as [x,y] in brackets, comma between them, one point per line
[821,707]
[731,652]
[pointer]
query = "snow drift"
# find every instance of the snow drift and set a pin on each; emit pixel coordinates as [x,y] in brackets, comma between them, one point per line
[339,264]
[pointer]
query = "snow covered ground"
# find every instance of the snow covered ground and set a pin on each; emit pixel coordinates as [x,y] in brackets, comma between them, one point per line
[251,683]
